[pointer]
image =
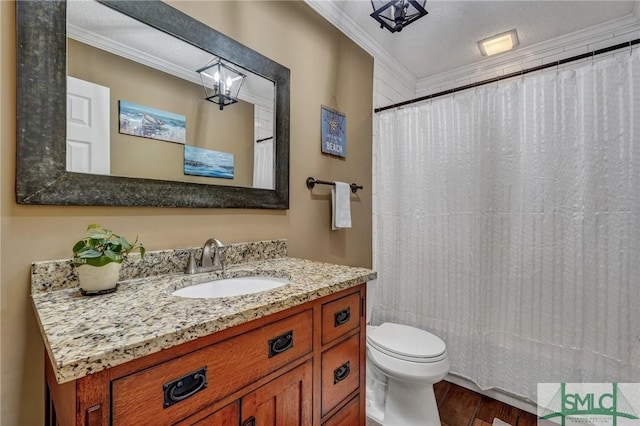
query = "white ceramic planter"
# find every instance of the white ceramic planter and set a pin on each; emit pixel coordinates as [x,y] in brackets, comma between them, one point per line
[98,279]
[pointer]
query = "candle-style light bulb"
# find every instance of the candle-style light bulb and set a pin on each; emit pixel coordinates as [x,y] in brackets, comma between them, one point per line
[228,84]
[216,82]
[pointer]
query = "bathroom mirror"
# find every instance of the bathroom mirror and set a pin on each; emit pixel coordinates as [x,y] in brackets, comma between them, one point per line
[128,70]
[41,167]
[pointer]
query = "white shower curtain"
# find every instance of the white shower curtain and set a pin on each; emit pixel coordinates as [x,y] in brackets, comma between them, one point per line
[507,222]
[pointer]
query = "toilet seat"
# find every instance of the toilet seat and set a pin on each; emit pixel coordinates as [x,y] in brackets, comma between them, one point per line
[406,343]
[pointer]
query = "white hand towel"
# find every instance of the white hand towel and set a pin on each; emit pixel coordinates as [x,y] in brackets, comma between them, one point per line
[341,201]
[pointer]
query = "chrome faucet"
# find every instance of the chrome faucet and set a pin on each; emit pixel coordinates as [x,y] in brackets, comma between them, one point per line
[211,259]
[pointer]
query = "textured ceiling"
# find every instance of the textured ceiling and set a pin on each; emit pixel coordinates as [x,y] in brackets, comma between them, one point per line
[446,38]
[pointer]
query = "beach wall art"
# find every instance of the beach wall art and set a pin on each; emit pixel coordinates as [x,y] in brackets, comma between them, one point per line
[152,123]
[205,162]
[334,126]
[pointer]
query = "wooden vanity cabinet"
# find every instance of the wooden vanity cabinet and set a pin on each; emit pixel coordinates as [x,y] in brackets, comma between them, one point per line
[301,366]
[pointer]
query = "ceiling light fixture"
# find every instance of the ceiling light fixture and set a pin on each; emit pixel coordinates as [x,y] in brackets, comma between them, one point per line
[498,43]
[221,83]
[394,15]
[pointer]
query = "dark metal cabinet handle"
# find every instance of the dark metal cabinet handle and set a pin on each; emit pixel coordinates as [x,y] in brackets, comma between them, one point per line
[342,317]
[341,373]
[180,389]
[279,344]
[251,421]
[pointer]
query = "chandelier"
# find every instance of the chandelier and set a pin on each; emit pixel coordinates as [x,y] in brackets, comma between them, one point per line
[221,83]
[394,15]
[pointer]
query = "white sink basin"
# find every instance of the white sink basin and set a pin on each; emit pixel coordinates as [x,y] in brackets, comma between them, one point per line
[228,287]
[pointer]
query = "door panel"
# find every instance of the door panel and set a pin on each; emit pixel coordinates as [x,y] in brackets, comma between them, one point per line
[285,401]
[88,138]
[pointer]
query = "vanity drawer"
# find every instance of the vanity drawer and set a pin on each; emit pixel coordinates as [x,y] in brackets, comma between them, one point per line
[160,392]
[340,316]
[340,372]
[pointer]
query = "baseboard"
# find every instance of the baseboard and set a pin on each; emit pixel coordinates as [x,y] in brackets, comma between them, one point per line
[492,393]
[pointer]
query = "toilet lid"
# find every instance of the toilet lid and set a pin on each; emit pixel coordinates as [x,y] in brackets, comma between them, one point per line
[406,342]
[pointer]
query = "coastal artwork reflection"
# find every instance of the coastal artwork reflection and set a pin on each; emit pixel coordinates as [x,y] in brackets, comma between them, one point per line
[204,162]
[152,123]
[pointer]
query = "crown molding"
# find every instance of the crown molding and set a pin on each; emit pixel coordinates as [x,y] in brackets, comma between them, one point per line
[521,57]
[130,53]
[336,17]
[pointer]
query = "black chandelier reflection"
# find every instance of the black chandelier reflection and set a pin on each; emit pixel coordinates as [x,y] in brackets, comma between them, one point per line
[394,15]
[221,82]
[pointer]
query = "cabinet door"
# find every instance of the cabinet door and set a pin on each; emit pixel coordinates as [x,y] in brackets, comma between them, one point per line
[285,401]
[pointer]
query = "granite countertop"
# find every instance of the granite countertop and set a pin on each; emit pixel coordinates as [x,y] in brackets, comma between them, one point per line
[84,335]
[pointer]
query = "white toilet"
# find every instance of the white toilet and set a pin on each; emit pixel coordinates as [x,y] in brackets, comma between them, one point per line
[403,363]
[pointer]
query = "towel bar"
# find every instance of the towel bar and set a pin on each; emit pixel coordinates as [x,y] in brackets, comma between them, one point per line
[311,182]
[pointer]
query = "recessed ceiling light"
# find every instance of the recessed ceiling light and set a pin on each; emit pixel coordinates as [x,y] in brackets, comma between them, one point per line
[498,43]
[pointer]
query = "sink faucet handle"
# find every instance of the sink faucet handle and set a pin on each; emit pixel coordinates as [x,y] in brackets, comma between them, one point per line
[191,264]
[218,261]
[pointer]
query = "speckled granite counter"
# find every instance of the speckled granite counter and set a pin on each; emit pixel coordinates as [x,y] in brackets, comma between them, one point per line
[84,335]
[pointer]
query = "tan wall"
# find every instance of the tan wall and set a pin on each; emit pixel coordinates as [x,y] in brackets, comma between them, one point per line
[326,68]
[229,130]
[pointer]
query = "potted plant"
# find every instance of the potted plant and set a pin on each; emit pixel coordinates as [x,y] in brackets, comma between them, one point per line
[98,259]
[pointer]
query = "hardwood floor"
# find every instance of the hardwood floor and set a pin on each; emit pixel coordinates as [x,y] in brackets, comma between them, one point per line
[459,406]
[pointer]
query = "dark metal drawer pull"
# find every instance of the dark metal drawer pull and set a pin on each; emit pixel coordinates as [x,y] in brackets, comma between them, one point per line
[342,317]
[251,421]
[279,344]
[180,389]
[341,373]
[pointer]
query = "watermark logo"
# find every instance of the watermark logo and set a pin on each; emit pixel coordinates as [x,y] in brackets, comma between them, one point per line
[595,404]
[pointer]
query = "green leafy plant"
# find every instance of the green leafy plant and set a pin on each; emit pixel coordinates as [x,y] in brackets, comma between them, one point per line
[101,247]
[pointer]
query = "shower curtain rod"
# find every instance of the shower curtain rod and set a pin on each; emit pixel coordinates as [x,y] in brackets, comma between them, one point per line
[511,75]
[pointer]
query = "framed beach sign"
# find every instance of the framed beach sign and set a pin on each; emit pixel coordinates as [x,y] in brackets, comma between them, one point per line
[152,123]
[334,126]
[205,162]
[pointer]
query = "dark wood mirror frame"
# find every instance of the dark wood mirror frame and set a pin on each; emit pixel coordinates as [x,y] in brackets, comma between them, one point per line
[41,176]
